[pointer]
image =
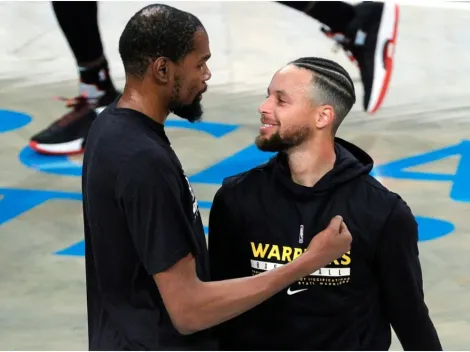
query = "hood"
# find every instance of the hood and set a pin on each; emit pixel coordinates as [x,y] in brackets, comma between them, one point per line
[351,163]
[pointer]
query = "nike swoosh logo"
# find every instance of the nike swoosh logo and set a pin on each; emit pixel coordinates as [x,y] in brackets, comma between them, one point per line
[290,292]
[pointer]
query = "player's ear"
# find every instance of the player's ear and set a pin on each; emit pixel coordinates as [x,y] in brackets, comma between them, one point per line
[162,69]
[325,116]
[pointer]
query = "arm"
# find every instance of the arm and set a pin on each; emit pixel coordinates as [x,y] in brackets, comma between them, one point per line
[201,305]
[401,282]
[194,305]
[151,200]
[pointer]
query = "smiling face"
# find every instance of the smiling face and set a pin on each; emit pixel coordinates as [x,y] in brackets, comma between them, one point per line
[288,113]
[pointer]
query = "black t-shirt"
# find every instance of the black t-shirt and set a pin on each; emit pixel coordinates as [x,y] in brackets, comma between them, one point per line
[140,217]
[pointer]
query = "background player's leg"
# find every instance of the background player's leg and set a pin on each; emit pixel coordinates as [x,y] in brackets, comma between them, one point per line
[367,32]
[79,23]
[79,20]
[334,14]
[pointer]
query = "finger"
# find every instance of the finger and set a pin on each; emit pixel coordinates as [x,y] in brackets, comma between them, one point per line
[335,223]
[343,228]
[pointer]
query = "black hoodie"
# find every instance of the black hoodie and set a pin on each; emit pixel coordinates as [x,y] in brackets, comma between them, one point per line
[261,219]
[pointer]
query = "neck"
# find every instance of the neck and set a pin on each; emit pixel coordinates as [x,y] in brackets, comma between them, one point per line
[309,162]
[135,97]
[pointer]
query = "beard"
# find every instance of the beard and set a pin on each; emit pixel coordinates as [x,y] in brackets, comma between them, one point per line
[192,112]
[278,143]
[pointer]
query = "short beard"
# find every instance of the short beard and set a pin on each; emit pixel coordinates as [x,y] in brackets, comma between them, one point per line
[276,143]
[192,112]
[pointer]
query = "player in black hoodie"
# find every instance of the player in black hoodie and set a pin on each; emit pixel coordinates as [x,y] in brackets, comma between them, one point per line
[265,217]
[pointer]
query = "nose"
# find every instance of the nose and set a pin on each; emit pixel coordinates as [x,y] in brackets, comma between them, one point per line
[207,74]
[264,109]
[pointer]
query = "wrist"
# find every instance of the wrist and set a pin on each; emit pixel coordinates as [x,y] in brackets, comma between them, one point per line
[308,263]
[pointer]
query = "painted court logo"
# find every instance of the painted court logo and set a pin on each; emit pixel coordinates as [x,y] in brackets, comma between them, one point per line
[271,256]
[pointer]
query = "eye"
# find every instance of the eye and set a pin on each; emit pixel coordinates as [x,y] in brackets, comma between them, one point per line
[202,66]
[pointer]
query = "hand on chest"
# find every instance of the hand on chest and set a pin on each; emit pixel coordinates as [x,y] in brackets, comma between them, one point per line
[275,236]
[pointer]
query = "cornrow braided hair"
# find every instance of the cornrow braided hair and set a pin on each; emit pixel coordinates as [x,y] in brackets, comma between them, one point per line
[333,85]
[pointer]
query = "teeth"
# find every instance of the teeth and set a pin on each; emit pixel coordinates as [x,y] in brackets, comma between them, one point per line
[267,125]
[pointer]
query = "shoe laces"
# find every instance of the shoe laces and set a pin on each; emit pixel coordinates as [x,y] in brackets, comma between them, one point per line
[345,43]
[76,104]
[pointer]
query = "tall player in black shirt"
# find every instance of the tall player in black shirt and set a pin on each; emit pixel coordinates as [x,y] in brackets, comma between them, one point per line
[147,269]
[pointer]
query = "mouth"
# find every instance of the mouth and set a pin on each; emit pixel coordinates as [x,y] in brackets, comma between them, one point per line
[267,126]
[199,95]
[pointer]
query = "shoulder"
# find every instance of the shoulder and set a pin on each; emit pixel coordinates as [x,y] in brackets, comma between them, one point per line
[117,136]
[244,182]
[148,167]
[111,120]
[378,192]
[247,178]
[152,158]
[389,206]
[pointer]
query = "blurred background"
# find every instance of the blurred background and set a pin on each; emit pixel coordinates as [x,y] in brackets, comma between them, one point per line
[419,139]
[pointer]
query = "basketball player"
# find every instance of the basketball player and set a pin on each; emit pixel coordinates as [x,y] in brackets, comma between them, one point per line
[147,273]
[366,31]
[263,219]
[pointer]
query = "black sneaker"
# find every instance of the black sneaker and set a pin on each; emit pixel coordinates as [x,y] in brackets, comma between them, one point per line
[369,42]
[67,135]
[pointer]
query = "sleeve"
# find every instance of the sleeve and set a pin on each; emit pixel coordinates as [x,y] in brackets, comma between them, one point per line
[222,239]
[149,193]
[401,282]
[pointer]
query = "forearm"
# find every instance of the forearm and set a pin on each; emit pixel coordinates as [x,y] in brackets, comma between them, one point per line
[212,303]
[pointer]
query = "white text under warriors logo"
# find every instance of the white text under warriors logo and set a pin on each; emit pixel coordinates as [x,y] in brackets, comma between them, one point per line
[270,256]
[193,199]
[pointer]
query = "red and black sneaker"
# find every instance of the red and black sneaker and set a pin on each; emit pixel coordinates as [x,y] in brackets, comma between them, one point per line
[67,135]
[370,42]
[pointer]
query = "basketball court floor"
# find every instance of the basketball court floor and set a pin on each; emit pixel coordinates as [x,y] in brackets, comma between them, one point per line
[420,141]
